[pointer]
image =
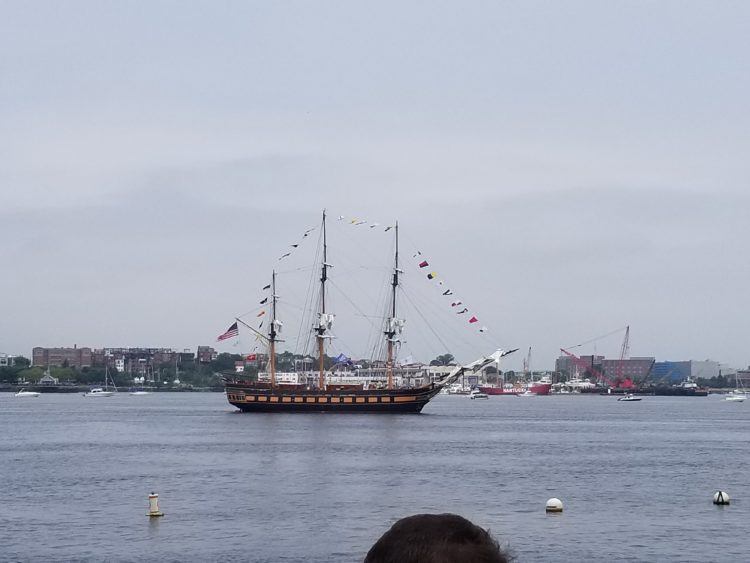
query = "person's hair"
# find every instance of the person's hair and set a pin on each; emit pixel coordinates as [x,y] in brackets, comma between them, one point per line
[436,538]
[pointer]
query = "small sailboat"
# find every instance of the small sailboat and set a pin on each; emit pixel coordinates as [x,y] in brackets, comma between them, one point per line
[629,397]
[103,392]
[24,393]
[739,394]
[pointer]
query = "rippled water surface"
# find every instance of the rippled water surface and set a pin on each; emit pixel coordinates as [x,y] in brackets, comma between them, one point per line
[636,478]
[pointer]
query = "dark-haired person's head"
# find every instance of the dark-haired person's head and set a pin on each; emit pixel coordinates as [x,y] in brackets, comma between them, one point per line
[436,538]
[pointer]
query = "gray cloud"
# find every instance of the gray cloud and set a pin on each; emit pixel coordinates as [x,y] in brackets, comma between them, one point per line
[571,168]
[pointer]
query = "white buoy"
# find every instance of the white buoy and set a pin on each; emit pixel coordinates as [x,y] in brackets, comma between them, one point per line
[554,505]
[153,505]
[721,498]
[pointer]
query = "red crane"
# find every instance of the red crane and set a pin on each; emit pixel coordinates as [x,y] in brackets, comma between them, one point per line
[585,366]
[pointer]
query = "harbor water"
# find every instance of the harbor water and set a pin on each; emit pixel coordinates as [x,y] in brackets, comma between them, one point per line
[636,478]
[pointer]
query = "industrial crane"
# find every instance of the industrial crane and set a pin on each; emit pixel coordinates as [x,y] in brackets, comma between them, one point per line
[624,352]
[527,365]
[584,366]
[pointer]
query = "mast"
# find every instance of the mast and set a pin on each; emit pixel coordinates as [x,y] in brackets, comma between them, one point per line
[393,322]
[272,333]
[324,322]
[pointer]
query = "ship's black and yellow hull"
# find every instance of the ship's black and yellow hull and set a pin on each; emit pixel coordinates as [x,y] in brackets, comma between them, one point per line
[250,398]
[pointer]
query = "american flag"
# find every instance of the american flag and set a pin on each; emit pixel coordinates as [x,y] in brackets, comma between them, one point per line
[231,332]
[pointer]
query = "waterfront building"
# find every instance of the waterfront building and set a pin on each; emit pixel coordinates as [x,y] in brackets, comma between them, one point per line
[436,373]
[7,360]
[565,364]
[206,354]
[669,373]
[61,357]
[47,379]
[140,362]
[743,378]
[635,369]
[705,369]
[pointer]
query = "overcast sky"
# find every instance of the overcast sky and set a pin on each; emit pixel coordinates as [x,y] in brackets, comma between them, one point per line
[572,167]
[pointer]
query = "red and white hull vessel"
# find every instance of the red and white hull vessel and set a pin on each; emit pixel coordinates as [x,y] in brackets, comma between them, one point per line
[541,387]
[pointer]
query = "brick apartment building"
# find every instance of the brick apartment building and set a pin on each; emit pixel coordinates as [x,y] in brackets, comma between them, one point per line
[636,369]
[206,354]
[60,357]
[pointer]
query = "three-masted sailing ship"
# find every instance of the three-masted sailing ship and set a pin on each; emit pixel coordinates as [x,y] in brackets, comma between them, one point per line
[320,395]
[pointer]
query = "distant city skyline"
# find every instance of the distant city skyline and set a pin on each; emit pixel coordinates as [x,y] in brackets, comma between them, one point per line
[572,167]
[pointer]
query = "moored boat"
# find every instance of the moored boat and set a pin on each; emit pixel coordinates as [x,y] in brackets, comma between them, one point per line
[738,394]
[541,387]
[103,392]
[687,388]
[497,390]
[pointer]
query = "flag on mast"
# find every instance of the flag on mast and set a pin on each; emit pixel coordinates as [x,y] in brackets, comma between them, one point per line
[231,332]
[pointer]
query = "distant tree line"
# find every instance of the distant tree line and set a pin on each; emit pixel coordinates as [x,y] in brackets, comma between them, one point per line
[189,373]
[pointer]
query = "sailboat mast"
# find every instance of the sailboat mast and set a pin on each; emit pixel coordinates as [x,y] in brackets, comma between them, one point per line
[272,333]
[391,327]
[321,329]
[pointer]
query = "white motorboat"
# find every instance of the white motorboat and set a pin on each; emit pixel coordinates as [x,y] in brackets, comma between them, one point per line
[99,392]
[629,397]
[24,393]
[476,394]
[140,392]
[526,393]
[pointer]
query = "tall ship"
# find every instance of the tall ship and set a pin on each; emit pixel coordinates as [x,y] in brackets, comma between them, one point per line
[316,391]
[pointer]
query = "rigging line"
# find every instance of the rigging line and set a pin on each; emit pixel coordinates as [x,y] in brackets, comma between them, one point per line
[379,344]
[423,256]
[352,303]
[343,251]
[436,346]
[408,297]
[346,345]
[598,338]
[310,291]
[457,334]
[438,307]
[294,270]
[253,310]
[293,306]
[375,336]
[376,343]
